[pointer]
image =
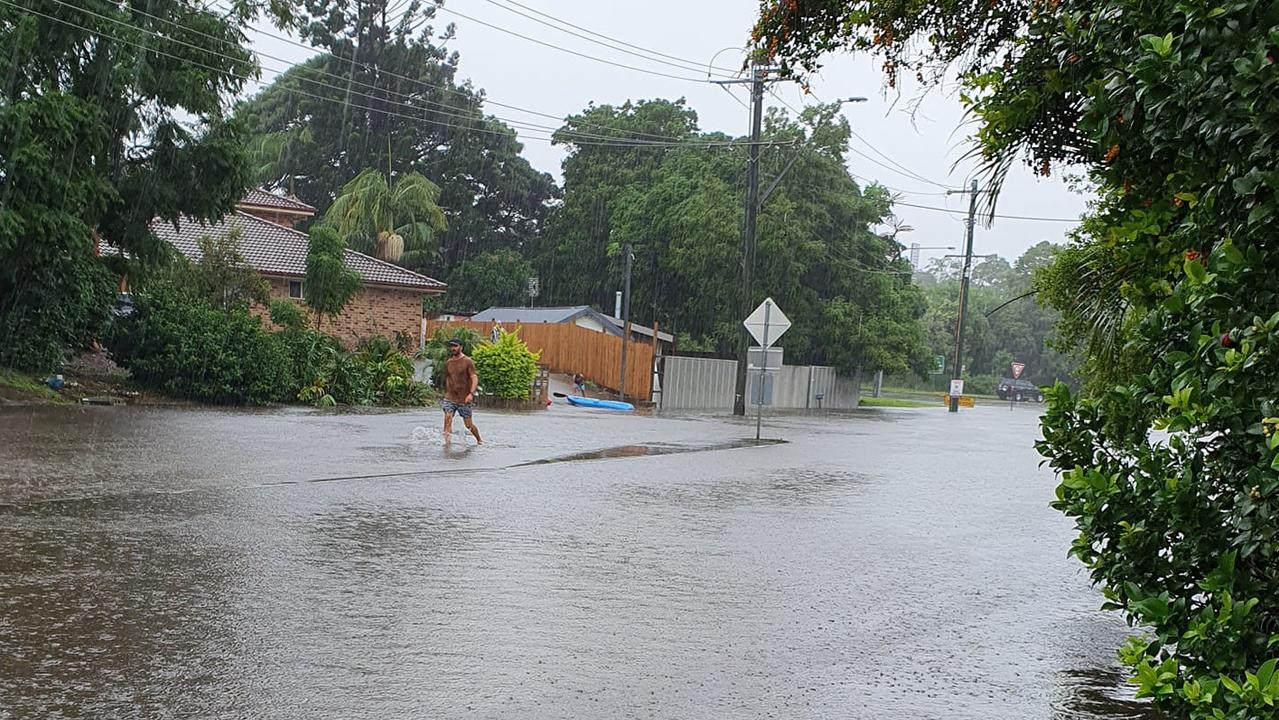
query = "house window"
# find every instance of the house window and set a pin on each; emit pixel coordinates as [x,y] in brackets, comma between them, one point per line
[295,289]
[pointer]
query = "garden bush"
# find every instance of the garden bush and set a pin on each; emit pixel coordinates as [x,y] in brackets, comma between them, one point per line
[178,343]
[506,367]
[53,310]
[376,373]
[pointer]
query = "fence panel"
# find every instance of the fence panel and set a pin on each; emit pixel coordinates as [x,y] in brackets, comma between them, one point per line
[690,383]
[568,348]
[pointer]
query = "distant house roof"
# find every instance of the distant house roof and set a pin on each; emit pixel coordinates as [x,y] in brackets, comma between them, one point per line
[534,315]
[276,250]
[257,197]
[612,325]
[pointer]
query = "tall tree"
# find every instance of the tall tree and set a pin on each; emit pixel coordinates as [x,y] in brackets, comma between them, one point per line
[577,253]
[385,86]
[494,278]
[112,113]
[396,220]
[1173,108]
[680,210]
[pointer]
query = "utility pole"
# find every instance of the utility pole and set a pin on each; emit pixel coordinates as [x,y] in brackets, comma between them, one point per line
[757,79]
[626,318]
[963,289]
[758,75]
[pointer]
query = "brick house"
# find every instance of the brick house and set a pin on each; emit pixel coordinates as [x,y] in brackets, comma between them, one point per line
[389,299]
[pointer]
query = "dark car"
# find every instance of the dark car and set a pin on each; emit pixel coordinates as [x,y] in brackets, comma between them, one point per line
[1019,390]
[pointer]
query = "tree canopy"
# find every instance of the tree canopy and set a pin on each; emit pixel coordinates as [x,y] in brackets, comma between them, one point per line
[1006,320]
[394,219]
[680,209]
[383,94]
[112,113]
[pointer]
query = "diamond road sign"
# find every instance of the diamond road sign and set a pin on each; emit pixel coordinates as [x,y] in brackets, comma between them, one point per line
[767,313]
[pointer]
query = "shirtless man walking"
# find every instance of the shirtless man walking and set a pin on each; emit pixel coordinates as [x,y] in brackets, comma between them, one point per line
[460,382]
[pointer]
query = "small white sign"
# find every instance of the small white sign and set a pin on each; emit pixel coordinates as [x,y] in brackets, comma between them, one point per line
[956,388]
[777,323]
[758,358]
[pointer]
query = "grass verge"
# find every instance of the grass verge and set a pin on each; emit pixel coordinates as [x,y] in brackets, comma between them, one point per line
[889,402]
[17,384]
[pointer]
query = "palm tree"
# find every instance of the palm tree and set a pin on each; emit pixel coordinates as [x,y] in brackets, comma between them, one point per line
[397,220]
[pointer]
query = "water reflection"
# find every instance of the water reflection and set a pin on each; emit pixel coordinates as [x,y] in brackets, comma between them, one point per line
[1095,693]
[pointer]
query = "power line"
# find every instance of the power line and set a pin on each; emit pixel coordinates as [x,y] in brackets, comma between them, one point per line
[997,215]
[443,88]
[729,71]
[904,171]
[898,170]
[898,167]
[609,142]
[681,65]
[897,190]
[427,101]
[347,90]
[587,56]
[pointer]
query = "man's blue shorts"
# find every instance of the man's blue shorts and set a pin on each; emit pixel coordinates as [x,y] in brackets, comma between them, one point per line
[451,407]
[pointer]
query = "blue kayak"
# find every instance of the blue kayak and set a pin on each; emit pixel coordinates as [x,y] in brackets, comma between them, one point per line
[580,401]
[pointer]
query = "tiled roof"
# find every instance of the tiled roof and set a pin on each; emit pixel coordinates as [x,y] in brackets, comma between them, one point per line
[276,250]
[258,197]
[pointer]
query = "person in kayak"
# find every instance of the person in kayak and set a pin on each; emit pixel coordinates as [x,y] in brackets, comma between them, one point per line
[460,382]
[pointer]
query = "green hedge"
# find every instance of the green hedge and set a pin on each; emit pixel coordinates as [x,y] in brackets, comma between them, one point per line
[178,343]
[52,310]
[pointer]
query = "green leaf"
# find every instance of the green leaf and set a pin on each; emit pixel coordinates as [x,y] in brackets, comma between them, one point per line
[1261,212]
[1231,685]
[1195,271]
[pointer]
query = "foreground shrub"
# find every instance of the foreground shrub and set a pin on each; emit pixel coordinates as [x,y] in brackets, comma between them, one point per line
[376,373]
[53,310]
[177,342]
[506,367]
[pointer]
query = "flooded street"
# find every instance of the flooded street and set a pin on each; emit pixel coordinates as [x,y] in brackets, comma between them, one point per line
[298,564]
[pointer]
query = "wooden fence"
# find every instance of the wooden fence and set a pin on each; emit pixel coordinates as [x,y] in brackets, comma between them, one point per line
[568,348]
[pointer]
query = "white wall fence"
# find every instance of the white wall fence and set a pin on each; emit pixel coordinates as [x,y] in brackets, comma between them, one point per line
[690,383]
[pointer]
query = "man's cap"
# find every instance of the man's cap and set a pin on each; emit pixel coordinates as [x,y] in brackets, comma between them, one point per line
[455,341]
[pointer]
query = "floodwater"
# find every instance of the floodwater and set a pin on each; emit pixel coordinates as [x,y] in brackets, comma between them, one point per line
[304,564]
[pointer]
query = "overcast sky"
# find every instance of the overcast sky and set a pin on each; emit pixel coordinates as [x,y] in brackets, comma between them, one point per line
[522,73]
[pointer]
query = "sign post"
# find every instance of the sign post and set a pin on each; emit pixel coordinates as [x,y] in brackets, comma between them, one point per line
[1018,368]
[766,324]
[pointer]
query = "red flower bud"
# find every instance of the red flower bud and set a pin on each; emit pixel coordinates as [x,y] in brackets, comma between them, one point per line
[1226,341]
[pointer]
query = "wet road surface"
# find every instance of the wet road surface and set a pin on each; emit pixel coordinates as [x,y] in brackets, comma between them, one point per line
[300,564]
